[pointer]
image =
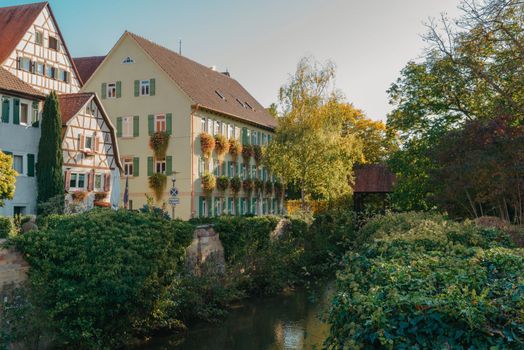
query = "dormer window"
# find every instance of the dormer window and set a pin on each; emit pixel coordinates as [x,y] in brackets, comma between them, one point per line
[240,102]
[53,43]
[248,106]
[128,60]
[219,95]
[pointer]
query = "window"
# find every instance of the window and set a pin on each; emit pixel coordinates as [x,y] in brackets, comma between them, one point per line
[88,144]
[53,43]
[201,166]
[223,130]
[160,166]
[248,136]
[217,127]
[18,164]
[231,131]
[248,106]
[243,171]
[216,167]
[203,126]
[25,64]
[128,166]
[210,124]
[160,123]
[264,139]
[240,102]
[35,112]
[24,113]
[254,171]
[127,126]
[254,136]
[128,60]
[77,181]
[40,68]
[111,90]
[39,38]
[99,182]
[63,75]
[220,95]
[144,87]
[50,72]
[231,169]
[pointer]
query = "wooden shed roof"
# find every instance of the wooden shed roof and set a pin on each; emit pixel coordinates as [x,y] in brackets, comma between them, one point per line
[373,178]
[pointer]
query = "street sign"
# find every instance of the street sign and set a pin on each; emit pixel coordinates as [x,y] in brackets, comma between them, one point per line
[173,192]
[174,201]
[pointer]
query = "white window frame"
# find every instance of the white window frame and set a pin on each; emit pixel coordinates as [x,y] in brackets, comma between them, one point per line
[24,60]
[76,176]
[160,164]
[217,128]
[92,139]
[145,88]
[27,115]
[231,131]
[160,118]
[210,126]
[129,166]
[201,166]
[203,124]
[101,177]
[37,70]
[24,168]
[111,90]
[127,126]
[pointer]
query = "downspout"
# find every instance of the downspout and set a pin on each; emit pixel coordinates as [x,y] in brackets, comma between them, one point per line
[195,109]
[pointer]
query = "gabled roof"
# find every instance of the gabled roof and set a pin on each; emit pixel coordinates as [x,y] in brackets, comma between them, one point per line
[71,104]
[373,178]
[15,21]
[11,84]
[86,66]
[208,89]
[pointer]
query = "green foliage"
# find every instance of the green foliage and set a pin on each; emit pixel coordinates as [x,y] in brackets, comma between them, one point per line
[8,178]
[222,183]
[158,183]
[209,183]
[49,166]
[6,227]
[236,184]
[221,146]
[421,281]
[235,149]
[97,281]
[257,154]
[207,144]
[247,153]
[248,185]
[159,142]
[259,186]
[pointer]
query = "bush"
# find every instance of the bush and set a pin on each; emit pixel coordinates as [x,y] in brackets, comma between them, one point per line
[102,274]
[421,281]
[6,227]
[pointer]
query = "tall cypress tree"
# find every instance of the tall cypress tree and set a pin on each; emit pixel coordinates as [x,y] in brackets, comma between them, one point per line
[49,166]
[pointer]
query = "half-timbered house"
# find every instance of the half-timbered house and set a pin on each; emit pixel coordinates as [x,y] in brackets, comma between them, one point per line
[91,160]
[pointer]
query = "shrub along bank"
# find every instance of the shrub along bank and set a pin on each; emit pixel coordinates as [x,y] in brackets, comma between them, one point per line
[420,281]
[99,279]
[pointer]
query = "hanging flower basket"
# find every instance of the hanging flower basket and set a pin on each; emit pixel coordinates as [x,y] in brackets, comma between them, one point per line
[235,149]
[222,183]
[259,186]
[102,204]
[257,154]
[209,183]
[221,146]
[247,153]
[207,144]
[235,184]
[248,185]
[268,188]
[159,142]
[79,196]
[101,196]
[157,183]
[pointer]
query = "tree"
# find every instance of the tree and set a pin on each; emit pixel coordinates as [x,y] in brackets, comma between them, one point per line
[471,70]
[273,110]
[310,148]
[7,178]
[49,166]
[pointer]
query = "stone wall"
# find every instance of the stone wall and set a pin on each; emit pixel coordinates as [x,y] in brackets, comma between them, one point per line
[206,250]
[13,267]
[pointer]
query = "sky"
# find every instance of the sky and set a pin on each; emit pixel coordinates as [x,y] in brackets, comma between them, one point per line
[260,42]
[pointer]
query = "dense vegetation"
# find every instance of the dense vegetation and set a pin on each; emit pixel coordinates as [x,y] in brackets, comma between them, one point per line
[421,281]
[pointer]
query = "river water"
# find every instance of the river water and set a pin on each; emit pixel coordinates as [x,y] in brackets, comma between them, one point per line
[290,322]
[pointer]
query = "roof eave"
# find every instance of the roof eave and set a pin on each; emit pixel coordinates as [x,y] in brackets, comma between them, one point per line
[197,106]
[22,94]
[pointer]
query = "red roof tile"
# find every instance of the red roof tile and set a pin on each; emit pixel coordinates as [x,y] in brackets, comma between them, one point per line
[374,178]
[86,66]
[11,84]
[14,23]
[70,104]
[204,85]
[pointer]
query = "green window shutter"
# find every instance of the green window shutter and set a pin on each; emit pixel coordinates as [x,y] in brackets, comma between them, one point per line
[136,166]
[244,136]
[136,126]
[7,152]
[119,127]
[259,140]
[169,165]
[229,205]
[152,87]
[151,124]
[30,165]
[5,111]
[201,207]
[118,89]
[237,209]
[169,123]
[149,166]
[137,88]
[16,111]
[103,91]
[248,209]
[229,169]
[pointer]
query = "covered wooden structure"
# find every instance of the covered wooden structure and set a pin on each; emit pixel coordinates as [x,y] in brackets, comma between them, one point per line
[372,180]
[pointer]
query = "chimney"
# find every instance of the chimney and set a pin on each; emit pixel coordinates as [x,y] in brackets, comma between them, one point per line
[226,73]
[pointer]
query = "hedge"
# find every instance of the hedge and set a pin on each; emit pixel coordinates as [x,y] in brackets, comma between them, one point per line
[420,281]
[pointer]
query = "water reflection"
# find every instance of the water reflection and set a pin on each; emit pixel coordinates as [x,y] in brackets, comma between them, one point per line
[285,322]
